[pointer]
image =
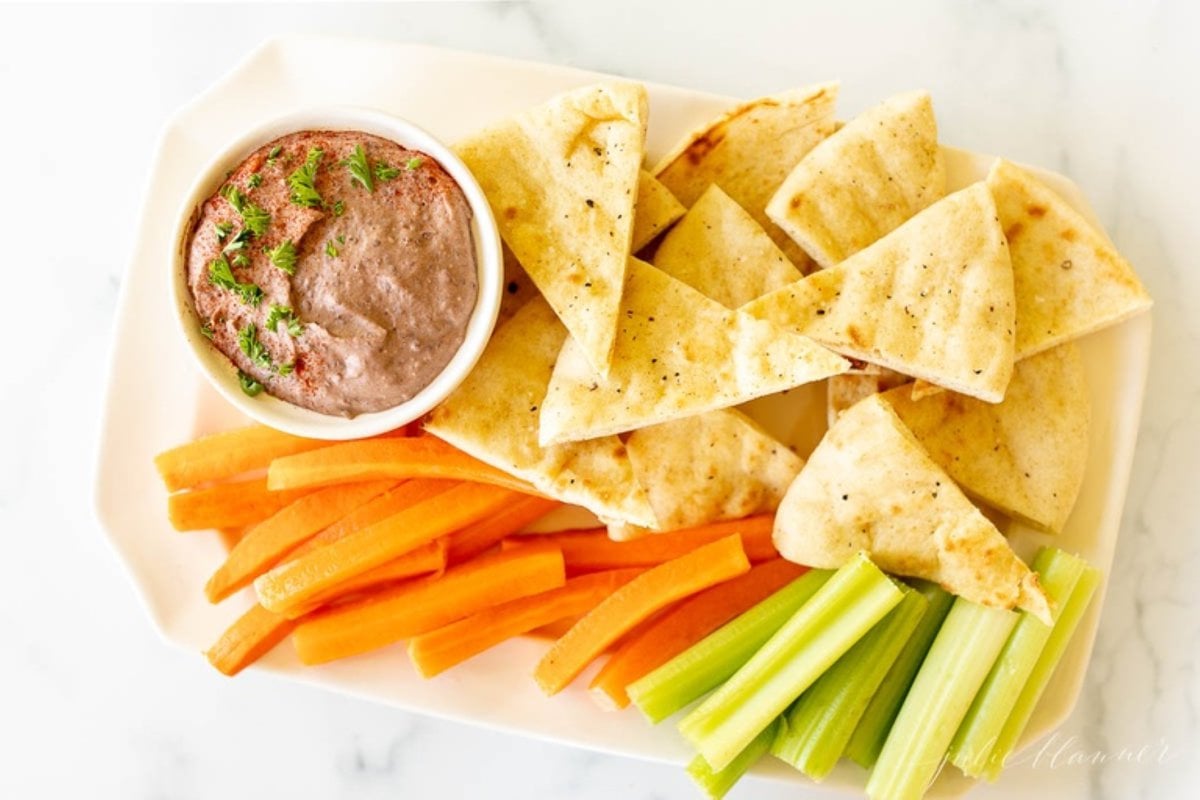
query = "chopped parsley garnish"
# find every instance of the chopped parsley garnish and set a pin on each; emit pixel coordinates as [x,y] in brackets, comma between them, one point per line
[240,260]
[287,369]
[250,386]
[413,163]
[303,182]
[284,256]
[339,208]
[239,241]
[254,181]
[254,217]
[223,230]
[288,317]
[206,331]
[220,274]
[360,168]
[384,172]
[273,155]
[249,344]
[331,250]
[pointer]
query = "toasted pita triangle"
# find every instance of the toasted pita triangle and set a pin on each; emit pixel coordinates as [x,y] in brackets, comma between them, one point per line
[933,299]
[718,249]
[844,391]
[863,181]
[493,416]
[708,467]
[1025,456]
[656,209]
[677,353]
[749,150]
[1068,278]
[870,486]
[562,179]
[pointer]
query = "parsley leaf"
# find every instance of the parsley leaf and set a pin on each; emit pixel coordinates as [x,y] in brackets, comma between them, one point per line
[339,208]
[384,172]
[220,274]
[413,163]
[254,350]
[273,155]
[254,217]
[206,331]
[360,168]
[240,260]
[331,250]
[250,386]
[283,256]
[286,369]
[288,317]
[254,181]
[223,230]
[303,182]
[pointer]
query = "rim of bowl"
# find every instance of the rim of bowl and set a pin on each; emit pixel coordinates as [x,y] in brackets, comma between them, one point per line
[280,414]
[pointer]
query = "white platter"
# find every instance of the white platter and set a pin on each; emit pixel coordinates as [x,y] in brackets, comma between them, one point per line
[156,400]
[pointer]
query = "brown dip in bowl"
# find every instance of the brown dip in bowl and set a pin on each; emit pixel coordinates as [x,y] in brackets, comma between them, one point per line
[337,279]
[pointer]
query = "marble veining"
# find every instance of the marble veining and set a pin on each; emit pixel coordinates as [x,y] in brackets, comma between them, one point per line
[93,705]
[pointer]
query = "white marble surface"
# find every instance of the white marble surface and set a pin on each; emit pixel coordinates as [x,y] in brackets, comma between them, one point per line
[93,705]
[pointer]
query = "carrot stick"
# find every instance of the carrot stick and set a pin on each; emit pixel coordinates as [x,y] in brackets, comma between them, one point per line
[231,536]
[227,505]
[223,455]
[396,458]
[385,505]
[689,622]
[429,558]
[267,542]
[248,639]
[469,542]
[424,605]
[452,644]
[592,550]
[297,583]
[634,602]
[559,628]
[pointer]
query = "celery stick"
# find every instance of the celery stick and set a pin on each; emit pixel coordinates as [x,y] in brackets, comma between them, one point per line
[814,732]
[1058,573]
[954,669]
[708,663]
[715,783]
[847,606]
[1022,708]
[872,730]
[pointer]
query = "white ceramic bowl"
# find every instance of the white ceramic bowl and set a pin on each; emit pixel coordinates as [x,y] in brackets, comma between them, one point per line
[285,416]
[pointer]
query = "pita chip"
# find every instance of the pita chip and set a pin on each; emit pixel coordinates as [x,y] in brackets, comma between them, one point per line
[493,416]
[1068,278]
[720,250]
[870,486]
[656,209]
[1025,456]
[713,466]
[562,180]
[845,390]
[749,150]
[677,353]
[933,299]
[863,181]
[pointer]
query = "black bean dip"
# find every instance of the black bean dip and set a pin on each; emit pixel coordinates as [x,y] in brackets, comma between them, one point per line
[336,270]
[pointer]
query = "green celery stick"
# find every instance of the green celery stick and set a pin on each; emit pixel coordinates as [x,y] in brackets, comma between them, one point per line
[1058,573]
[1022,708]
[954,669]
[847,606]
[716,783]
[707,664]
[867,741]
[814,732]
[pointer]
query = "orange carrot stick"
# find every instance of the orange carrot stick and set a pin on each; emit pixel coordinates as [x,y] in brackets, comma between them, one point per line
[424,605]
[407,494]
[395,458]
[248,639]
[592,550]
[223,455]
[297,583]
[452,644]
[227,505]
[429,558]
[689,622]
[231,536]
[634,602]
[267,542]
[469,542]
